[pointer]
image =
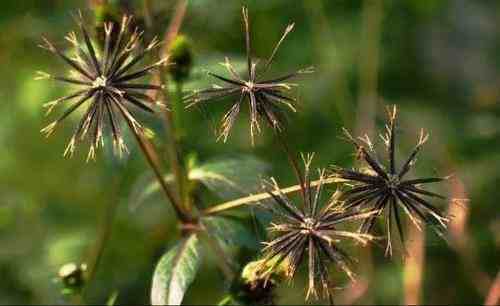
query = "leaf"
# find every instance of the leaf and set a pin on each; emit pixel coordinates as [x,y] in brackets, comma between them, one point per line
[175,272]
[227,178]
[146,186]
[232,177]
[231,231]
[112,299]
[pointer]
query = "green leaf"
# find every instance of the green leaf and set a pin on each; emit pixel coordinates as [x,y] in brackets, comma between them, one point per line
[112,299]
[175,272]
[228,178]
[145,187]
[231,231]
[232,177]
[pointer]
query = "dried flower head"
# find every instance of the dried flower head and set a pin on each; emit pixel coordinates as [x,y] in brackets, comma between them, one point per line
[105,80]
[310,230]
[382,189]
[264,96]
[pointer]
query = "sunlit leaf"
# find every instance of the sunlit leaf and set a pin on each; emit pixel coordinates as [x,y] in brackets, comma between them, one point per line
[175,272]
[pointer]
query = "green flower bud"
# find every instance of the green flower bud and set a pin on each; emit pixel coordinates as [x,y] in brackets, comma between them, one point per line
[257,282]
[73,277]
[180,51]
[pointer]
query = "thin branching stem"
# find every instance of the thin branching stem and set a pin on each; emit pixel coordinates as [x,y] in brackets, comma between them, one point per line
[173,147]
[292,160]
[153,160]
[253,199]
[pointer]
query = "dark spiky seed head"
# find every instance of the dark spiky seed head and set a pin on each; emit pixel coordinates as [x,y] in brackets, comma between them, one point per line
[310,232]
[387,190]
[265,97]
[105,80]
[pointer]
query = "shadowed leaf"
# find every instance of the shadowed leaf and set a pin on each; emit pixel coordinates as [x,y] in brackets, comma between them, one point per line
[231,232]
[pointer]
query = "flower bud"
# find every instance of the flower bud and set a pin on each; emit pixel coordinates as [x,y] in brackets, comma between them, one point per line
[73,277]
[181,56]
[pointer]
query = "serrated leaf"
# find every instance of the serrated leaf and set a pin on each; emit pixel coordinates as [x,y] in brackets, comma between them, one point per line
[232,177]
[230,231]
[175,272]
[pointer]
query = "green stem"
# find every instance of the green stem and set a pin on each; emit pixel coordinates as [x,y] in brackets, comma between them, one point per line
[153,160]
[219,208]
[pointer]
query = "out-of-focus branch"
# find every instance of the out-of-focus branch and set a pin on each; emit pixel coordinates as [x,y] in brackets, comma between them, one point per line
[493,297]
[173,150]
[368,80]
[350,295]
[94,3]
[148,16]
[460,238]
[368,65]
[414,265]
[335,69]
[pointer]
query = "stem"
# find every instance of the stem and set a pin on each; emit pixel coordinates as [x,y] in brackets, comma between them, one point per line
[372,15]
[173,149]
[103,238]
[293,162]
[414,266]
[493,297]
[262,196]
[152,158]
[369,63]
[148,16]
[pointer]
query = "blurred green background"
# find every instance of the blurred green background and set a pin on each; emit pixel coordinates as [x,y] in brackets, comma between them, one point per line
[437,60]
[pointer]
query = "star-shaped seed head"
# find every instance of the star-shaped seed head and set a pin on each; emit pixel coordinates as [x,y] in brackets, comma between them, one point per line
[265,97]
[310,232]
[104,80]
[387,190]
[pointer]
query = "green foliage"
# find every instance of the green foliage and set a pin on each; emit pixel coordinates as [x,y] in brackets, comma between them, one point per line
[227,178]
[231,177]
[175,272]
[231,232]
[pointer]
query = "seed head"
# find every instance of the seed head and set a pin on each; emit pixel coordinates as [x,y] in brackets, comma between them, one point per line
[104,77]
[310,232]
[265,96]
[387,190]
